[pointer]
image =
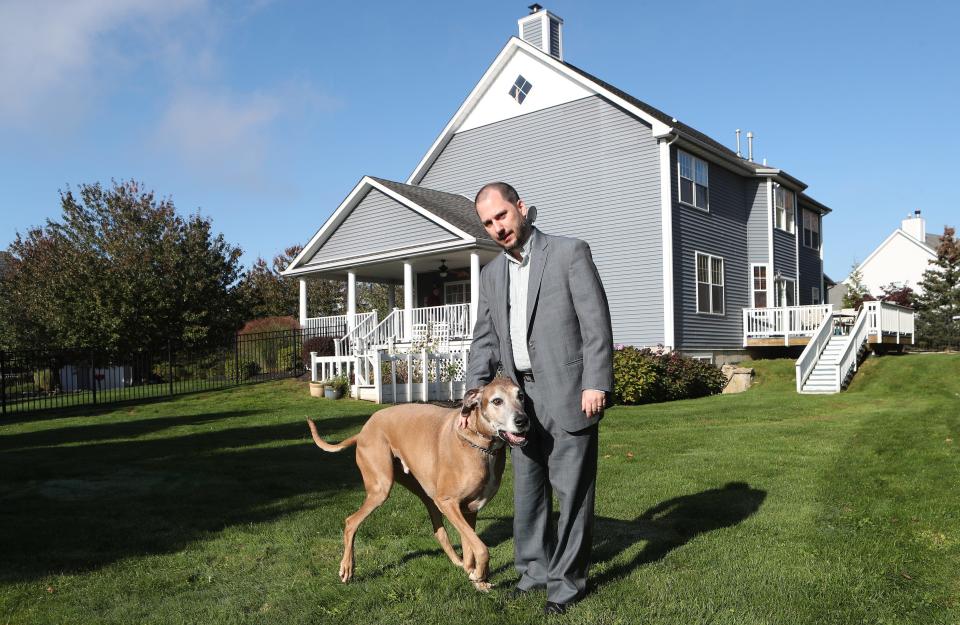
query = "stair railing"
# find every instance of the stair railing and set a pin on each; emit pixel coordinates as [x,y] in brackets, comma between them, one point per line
[851,353]
[812,352]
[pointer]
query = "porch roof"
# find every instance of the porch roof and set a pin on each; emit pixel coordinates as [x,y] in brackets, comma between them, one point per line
[382,221]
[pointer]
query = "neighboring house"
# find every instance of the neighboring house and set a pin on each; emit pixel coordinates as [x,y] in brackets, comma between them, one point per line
[700,249]
[901,260]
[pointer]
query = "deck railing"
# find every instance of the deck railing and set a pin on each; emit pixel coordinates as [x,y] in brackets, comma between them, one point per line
[456,316]
[785,321]
[886,319]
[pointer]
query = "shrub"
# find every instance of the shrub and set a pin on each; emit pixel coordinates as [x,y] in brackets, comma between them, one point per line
[248,369]
[323,345]
[269,324]
[642,376]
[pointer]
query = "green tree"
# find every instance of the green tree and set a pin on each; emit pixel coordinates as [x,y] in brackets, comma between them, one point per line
[857,291]
[939,303]
[266,293]
[121,270]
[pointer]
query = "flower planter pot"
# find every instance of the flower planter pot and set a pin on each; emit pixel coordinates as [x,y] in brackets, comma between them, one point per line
[331,393]
[316,389]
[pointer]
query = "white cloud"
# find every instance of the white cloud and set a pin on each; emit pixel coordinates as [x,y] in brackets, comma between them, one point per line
[51,51]
[229,134]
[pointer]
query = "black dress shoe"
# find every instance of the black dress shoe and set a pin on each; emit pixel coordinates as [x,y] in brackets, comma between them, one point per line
[551,607]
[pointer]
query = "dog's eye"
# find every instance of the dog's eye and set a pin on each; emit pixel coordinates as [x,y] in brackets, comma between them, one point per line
[497,401]
[520,396]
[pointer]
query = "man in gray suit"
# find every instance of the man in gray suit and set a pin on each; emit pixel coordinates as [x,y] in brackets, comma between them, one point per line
[543,319]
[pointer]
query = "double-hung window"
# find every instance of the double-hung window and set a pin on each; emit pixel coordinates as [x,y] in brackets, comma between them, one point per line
[694,181]
[783,208]
[709,284]
[759,286]
[811,229]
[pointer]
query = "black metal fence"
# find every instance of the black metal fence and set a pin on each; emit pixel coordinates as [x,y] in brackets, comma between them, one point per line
[42,379]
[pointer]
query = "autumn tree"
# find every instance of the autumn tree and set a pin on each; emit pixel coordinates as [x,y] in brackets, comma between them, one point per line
[121,270]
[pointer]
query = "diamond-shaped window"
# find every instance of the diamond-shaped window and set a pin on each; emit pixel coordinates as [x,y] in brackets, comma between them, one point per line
[520,89]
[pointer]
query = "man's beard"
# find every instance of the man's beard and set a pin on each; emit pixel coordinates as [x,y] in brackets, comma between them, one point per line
[520,237]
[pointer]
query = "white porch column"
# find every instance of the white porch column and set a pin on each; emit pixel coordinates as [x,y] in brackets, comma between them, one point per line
[351,299]
[391,296]
[303,303]
[474,288]
[407,300]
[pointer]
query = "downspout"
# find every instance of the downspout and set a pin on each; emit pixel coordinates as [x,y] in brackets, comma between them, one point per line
[666,227]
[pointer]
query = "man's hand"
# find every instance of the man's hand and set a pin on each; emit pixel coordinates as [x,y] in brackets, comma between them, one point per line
[592,402]
[462,421]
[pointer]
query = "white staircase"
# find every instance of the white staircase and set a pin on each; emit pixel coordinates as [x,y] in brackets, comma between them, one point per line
[825,374]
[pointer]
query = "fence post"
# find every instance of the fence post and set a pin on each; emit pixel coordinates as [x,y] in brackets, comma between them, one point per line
[170,366]
[93,378]
[3,382]
[236,359]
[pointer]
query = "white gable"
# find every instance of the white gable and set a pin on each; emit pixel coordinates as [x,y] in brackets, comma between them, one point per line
[900,259]
[549,88]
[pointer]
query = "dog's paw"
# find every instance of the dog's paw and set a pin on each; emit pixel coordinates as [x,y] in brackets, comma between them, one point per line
[346,571]
[483,586]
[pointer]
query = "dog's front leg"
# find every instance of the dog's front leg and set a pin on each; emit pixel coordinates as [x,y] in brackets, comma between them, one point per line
[476,557]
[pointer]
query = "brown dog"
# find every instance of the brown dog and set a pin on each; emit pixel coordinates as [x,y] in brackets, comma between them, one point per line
[453,470]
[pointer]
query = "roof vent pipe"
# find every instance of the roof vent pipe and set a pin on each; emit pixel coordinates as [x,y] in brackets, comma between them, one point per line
[534,8]
[750,146]
[739,155]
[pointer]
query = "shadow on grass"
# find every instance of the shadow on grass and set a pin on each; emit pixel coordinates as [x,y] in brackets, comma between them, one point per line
[77,507]
[664,527]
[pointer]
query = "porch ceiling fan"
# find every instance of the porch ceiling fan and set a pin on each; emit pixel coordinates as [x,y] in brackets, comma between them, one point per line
[443,268]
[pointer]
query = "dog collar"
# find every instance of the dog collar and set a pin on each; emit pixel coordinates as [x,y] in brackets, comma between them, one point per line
[491,451]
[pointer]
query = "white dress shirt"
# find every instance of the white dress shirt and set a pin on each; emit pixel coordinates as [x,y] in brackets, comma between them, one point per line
[519,278]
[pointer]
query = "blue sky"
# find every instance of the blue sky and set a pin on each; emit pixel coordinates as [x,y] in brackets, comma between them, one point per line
[264,115]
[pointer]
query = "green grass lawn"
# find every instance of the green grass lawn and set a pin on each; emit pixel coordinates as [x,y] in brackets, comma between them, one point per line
[764,507]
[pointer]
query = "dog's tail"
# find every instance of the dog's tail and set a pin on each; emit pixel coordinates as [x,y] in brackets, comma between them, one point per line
[324,445]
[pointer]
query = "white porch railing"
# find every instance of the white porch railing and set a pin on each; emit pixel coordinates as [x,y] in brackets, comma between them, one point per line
[886,319]
[335,325]
[350,342]
[785,322]
[455,316]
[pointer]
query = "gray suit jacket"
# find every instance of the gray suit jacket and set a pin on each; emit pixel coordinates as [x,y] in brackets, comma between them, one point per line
[568,327]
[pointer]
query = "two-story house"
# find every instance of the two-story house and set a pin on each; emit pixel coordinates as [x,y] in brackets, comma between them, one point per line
[700,249]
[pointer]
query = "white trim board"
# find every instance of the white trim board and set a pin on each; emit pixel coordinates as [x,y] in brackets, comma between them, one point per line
[346,207]
[513,47]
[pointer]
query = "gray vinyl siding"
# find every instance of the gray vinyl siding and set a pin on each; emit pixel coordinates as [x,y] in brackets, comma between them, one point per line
[592,170]
[811,273]
[379,224]
[785,253]
[533,33]
[758,221]
[555,38]
[720,232]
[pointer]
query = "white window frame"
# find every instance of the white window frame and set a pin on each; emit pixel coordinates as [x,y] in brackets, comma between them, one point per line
[466,290]
[696,281]
[784,219]
[814,219]
[766,290]
[694,161]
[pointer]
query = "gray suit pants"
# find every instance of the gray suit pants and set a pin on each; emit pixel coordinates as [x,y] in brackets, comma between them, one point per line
[565,463]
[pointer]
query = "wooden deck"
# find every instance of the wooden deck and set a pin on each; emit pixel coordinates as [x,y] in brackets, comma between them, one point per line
[872,339]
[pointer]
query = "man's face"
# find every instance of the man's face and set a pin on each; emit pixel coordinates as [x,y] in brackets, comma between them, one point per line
[505,222]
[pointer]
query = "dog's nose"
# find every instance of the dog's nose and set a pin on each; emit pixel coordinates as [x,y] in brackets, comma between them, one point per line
[522,421]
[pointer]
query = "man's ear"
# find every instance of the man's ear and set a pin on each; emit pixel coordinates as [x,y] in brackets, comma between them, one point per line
[471,399]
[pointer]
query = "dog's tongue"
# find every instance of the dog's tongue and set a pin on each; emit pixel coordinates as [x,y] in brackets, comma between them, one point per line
[514,439]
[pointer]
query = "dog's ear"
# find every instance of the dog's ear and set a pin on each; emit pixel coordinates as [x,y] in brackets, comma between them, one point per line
[471,399]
